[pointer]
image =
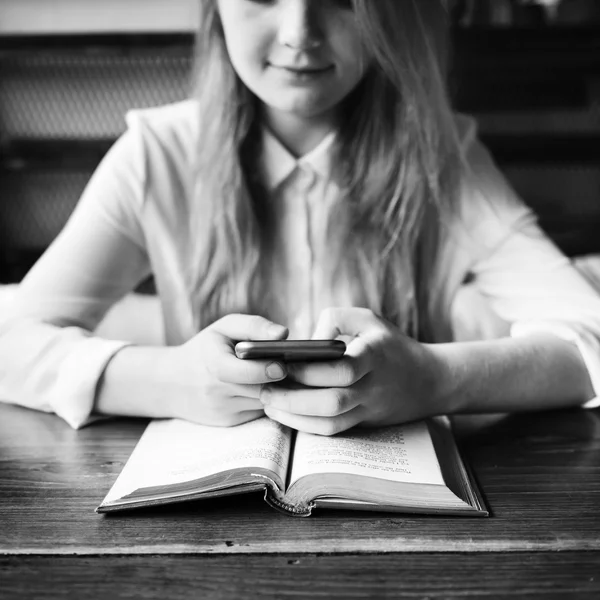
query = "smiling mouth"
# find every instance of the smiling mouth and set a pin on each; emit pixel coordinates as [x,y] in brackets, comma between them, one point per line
[304,70]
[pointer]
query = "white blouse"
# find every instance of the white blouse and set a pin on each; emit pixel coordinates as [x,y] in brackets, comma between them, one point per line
[129,222]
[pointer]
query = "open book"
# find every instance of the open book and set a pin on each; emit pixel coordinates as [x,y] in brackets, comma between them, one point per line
[409,468]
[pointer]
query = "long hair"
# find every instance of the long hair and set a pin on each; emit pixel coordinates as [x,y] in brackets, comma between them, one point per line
[397,160]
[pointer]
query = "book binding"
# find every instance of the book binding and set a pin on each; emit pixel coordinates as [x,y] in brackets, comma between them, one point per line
[272,499]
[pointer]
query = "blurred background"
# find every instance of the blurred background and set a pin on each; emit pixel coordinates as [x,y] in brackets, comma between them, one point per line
[528,70]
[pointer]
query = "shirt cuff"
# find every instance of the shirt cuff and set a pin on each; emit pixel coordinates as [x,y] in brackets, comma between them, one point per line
[587,343]
[75,391]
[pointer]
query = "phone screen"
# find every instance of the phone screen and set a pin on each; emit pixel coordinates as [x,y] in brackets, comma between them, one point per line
[291,350]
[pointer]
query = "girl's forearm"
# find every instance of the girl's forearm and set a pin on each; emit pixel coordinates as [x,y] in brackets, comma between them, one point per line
[138,382]
[511,374]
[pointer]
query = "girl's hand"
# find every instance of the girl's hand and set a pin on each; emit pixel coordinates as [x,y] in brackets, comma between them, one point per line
[211,385]
[384,378]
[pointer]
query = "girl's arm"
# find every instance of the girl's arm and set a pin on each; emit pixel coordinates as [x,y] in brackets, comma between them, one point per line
[49,358]
[201,381]
[387,378]
[551,357]
[534,372]
[529,285]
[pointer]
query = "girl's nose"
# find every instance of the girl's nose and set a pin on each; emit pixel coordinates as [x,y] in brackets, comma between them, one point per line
[299,25]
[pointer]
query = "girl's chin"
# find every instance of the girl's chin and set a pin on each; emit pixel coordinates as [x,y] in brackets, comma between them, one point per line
[300,104]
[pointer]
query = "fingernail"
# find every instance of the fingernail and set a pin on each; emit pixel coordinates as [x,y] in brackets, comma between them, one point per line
[275,371]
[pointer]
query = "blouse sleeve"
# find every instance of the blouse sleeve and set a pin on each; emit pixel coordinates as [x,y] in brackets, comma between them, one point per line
[49,359]
[527,281]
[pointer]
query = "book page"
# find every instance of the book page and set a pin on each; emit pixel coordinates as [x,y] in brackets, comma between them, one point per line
[398,453]
[174,451]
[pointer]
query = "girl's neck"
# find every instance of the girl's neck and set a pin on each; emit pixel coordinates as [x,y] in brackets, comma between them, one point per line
[299,135]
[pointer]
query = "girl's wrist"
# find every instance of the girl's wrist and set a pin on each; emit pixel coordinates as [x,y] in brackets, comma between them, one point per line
[445,377]
[136,382]
[171,378]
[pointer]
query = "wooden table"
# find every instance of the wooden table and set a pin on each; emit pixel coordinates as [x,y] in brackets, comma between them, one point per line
[540,474]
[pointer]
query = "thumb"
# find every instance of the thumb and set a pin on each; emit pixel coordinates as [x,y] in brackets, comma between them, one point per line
[249,327]
[345,321]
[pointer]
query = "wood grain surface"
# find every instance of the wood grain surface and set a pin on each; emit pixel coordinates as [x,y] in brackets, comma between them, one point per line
[543,576]
[540,474]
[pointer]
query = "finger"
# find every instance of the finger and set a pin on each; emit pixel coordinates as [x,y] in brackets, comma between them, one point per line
[319,425]
[345,321]
[245,417]
[228,368]
[249,327]
[228,419]
[225,366]
[243,404]
[357,362]
[245,391]
[221,409]
[318,402]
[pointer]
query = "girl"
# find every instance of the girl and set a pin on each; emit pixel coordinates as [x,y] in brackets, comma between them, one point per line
[319,165]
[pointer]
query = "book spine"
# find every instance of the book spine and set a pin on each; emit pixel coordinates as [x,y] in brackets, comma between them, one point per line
[276,502]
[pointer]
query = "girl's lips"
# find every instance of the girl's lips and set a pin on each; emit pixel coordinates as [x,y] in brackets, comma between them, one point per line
[303,70]
[302,77]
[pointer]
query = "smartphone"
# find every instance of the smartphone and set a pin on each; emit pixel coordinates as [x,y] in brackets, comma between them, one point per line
[291,350]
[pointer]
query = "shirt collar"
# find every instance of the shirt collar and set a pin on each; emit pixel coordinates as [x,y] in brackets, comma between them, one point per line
[277,164]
